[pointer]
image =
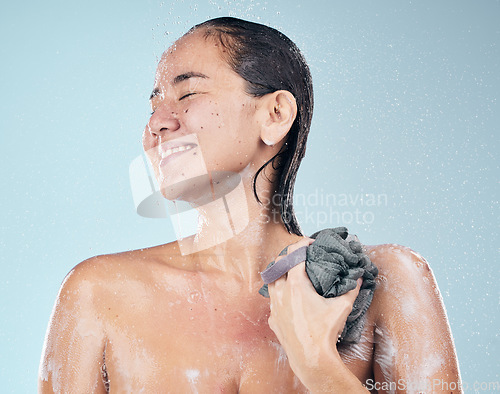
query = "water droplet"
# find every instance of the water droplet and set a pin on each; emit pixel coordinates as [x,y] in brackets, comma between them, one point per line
[194,297]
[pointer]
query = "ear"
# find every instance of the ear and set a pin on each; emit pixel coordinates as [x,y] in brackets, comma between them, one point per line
[278,111]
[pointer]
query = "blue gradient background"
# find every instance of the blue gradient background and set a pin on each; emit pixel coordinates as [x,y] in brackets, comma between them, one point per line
[406,107]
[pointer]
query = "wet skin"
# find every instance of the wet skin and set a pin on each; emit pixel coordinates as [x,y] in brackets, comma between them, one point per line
[167,322]
[167,325]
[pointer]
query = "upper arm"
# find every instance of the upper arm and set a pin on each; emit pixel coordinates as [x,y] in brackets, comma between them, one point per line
[74,344]
[413,344]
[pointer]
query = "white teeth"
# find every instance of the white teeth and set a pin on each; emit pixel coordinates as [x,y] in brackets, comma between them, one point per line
[168,152]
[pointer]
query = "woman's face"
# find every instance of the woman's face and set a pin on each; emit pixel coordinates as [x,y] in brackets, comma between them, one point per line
[202,121]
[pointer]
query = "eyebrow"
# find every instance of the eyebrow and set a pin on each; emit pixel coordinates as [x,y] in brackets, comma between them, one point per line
[178,79]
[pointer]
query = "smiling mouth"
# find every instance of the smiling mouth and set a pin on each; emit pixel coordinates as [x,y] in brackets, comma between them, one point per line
[171,153]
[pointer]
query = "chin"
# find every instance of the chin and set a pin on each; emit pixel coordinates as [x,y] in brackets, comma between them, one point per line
[202,189]
[196,191]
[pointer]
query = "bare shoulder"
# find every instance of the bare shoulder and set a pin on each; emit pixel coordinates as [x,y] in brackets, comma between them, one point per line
[403,273]
[91,297]
[131,262]
[104,274]
[413,341]
[394,257]
[97,301]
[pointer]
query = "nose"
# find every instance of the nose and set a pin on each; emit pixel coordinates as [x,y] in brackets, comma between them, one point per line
[163,121]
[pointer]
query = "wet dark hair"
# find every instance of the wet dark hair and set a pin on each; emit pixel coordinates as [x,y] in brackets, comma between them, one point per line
[269,61]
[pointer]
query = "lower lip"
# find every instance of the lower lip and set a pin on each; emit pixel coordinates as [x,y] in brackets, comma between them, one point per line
[171,157]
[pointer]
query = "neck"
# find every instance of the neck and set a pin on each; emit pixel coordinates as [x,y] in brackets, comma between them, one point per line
[236,235]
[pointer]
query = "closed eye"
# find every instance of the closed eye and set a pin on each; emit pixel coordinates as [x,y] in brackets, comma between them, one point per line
[186,95]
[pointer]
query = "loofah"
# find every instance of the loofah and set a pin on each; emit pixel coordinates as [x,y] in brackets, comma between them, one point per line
[334,262]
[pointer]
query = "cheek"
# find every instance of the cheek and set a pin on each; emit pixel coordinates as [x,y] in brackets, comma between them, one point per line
[228,138]
[226,152]
[203,115]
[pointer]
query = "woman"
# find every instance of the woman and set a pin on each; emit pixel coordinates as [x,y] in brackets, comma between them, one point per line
[232,106]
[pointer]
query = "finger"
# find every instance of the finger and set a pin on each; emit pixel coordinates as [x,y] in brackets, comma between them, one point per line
[272,324]
[351,295]
[305,241]
[282,266]
[275,289]
[276,269]
[272,299]
[277,273]
[275,328]
[299,275]
[270,289]
[274,307]
[346,303]
[281,281]
[299,270]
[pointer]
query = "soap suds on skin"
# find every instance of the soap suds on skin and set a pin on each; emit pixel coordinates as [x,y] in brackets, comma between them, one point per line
[192,375]
[385,353]
[363,350]
[425,360]
[86,327]
[282,358]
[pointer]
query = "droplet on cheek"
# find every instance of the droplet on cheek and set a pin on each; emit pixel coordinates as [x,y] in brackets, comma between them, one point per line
[194,297]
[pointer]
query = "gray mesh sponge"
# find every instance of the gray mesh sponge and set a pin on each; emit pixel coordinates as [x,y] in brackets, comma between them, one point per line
[334,262]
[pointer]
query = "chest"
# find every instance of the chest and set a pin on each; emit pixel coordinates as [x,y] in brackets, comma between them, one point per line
[197,339]
[195,343]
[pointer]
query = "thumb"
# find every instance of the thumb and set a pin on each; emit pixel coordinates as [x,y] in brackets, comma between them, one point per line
[352,294]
